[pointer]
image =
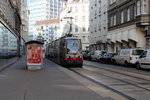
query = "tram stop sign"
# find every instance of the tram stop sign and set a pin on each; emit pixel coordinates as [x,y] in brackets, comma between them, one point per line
[34,57]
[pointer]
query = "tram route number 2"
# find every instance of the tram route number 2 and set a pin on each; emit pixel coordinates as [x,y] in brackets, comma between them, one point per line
[34,54]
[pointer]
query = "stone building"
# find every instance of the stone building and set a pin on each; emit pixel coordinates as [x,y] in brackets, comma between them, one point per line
[74,16]
[98,24]
[10,23]
[48,29]
[128,24]
[24,19]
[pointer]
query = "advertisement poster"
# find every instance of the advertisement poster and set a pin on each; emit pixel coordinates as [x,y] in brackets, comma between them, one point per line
[34,54]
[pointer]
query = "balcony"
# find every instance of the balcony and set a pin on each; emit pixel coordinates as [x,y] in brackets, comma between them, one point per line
[142,20]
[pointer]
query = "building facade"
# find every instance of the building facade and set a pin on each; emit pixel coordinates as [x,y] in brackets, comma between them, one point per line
[54,8]
[37,11]
[98,24]
[48,29]
[42,10]
[128,22]
[74,16]
[24,18]
[10,23]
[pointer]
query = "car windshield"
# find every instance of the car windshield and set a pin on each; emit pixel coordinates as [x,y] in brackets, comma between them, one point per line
[104,52]
[137,52]
[73,45]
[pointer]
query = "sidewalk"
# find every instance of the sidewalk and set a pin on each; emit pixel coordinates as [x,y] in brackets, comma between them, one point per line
[9,63]
[51,83]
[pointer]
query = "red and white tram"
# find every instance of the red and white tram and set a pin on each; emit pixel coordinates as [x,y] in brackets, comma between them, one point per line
[65,51]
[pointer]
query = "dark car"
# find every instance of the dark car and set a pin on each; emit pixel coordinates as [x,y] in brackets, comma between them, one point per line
[85,54]
[108,58]
[89,55]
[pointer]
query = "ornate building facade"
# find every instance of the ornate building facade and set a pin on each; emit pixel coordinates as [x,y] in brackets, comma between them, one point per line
[128,24]
[10,23]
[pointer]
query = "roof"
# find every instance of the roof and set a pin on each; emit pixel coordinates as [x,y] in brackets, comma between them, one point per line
[47,21]
[34,41]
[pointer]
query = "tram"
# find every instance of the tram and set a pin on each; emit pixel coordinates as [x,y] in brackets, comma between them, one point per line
[65,51]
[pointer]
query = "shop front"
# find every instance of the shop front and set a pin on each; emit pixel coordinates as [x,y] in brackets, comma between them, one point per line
[8,46]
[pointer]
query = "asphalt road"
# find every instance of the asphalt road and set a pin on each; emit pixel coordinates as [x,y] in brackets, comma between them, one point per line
[94,81]
[51,83]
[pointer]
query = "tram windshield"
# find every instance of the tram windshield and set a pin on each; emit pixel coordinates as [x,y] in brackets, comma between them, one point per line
[73,46]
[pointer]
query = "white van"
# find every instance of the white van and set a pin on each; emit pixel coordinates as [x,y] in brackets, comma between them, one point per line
[98,54]
[144,60]
[127,56]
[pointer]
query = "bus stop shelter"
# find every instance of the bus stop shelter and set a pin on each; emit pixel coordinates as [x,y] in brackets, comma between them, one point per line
[34,54]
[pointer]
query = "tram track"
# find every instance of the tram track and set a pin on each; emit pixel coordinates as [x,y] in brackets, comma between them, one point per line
[130,83]
[118,67]
[107,87]
[105,71]
[121,72]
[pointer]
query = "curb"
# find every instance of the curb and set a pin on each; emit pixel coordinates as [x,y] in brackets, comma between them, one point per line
[8,65]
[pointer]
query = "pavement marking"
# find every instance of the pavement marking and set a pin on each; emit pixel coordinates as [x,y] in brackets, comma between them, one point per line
[100,90]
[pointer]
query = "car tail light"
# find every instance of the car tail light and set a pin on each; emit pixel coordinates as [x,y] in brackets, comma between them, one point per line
[130,58]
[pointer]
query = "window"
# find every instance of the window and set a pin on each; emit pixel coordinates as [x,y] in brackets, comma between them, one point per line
[83,9]
[134,11]
[88,29]
[128,14]
[76,9]
[111,21]
[84,39]
[145,7]
[76,29]
[76,19]
[112,1]
[114,20]
[83,29]
[138,8]
[143,55]
[83,18]
[122,17]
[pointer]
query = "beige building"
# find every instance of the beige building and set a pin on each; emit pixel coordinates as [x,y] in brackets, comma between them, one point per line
[98,24]
[48,29]
[74,16]
[128,22]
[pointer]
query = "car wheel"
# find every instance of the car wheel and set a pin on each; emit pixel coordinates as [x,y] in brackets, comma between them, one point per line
[106,61]
[114,62]
[138,66]
[96,59]
[126,64]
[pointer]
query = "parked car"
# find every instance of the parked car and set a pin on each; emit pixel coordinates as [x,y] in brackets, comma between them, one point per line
[108,58]
[98,54]
[89,55]
[128,56]
[144,60]
[85,54]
